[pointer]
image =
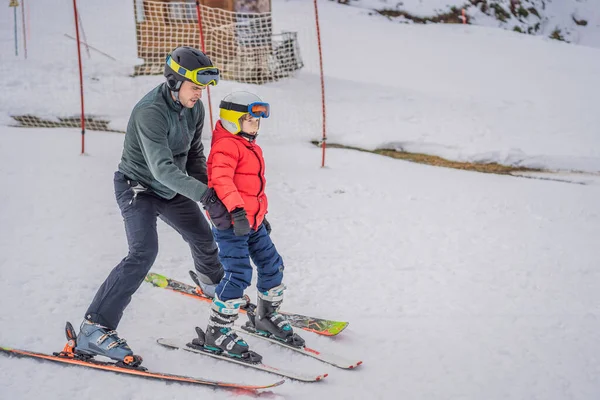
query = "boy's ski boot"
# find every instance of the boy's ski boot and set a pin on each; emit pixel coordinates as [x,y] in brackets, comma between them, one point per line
[97,340]
[267,321]
[219,337]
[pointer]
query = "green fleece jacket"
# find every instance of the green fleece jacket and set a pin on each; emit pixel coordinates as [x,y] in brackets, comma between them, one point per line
[163,149]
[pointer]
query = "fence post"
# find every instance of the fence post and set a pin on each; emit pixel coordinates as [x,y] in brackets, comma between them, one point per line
[23,26]
[14,4]
[202,47]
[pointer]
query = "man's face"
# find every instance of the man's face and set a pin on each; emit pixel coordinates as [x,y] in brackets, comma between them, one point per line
[190,93]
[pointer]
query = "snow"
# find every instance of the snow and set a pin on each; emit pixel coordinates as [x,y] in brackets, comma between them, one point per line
[457,285]
[553,15]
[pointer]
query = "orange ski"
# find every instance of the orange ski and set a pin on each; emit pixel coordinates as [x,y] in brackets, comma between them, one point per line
[69,356]
[108,366]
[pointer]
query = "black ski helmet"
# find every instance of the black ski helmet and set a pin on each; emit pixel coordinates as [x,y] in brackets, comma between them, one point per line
[190,59]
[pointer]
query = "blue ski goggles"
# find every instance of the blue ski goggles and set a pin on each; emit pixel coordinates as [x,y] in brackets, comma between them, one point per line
[202,76]
[257,109]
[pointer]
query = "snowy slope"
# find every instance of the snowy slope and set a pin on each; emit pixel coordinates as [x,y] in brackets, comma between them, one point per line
[461,285]
[578,21]
[466,93]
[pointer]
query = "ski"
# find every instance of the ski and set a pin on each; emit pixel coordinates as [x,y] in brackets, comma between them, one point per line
[70,356]
[332,359]
[198,349]
[134,371]
[310,324]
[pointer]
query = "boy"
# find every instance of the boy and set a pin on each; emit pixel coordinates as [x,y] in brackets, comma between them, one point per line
[236,172]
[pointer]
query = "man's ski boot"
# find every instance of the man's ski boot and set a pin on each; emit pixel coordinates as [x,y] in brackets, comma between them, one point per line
[97,340]
[267,321]
[204,285]
[219,337]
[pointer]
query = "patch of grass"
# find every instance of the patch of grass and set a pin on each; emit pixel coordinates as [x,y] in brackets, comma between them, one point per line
[533,11]
[522,12]
[580,22]
[489,168]
[518,29]
[500,13]
[533,29]
[454,16]
[556,35]
[483,5]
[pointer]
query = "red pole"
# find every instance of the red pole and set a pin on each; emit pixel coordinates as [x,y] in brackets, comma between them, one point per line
[324,140]
[199,13]
[80,78]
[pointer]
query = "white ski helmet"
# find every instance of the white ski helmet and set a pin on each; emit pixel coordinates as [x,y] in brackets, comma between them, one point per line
[235,105]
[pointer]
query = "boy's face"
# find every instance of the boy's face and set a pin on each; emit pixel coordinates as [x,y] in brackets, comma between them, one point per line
[250,124]
[190,94]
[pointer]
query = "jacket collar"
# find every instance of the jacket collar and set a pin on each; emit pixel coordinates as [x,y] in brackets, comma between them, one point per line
[220,132]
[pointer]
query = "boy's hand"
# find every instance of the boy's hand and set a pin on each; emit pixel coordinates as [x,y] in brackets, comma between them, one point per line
[241,225]
[267,226]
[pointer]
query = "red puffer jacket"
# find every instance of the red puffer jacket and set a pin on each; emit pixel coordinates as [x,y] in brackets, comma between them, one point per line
[236,170]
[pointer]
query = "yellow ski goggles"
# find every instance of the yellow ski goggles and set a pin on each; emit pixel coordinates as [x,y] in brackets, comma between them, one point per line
[204,76]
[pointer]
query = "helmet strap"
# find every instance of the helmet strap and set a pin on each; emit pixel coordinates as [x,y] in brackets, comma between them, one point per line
[247,136]
[175,95]
[173,83]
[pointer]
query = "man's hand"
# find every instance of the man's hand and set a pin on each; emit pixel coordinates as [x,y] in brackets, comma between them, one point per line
[217,211]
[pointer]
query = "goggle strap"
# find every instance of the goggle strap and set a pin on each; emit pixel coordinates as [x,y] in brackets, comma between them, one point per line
[193,75]
[228,105]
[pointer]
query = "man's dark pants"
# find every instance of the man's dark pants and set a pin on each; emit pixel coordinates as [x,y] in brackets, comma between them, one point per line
[140,214]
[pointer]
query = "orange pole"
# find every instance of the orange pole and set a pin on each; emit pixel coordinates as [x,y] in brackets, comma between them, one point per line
[199,13]
[324,139]
[80,77]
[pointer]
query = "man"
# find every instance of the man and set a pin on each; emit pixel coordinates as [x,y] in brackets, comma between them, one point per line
[162,173]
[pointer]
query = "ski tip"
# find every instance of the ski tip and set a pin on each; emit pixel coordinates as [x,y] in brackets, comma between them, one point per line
[157,279]
[167,343]
[244,389]
[278,383]
[321,377]
[333,328]
[355,365]
[336,328]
